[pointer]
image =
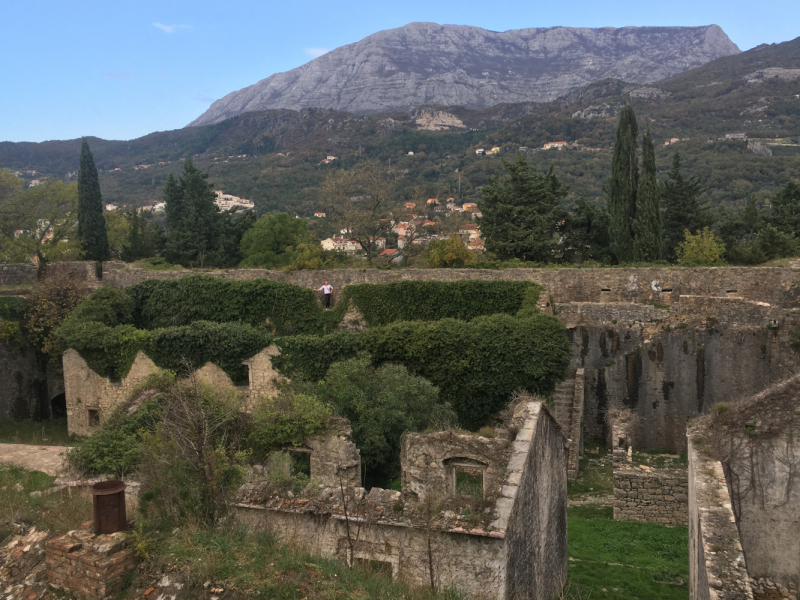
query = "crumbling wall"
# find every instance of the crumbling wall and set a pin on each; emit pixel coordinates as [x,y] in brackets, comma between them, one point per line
[716,563]
[335,459]
[91,398]
[429,463]
[765,490]
[516,549]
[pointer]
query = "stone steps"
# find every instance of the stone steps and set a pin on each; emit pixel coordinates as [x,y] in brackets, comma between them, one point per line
[563,397]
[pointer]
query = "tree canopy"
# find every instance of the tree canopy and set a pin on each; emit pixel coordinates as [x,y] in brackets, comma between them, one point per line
[271,242]
[520,212]
[91,224]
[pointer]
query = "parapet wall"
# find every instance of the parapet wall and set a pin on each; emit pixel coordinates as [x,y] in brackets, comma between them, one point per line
[650,495]
[775,285]
[17,274]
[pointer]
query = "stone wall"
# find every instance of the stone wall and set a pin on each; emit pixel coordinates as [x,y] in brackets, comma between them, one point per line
[650,495]
[91,398]
[28,384]
[717,568]
[775,285]
[18,274]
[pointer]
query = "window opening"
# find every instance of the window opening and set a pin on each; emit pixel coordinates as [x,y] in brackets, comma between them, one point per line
[465,477]
[94,418]
[241,377]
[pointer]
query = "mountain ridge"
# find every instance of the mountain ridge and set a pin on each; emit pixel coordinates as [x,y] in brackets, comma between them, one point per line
[460,65]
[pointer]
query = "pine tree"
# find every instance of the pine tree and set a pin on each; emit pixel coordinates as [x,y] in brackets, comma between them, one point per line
[194,223]
[520,212]
[682,208]
[91,224]
[648,242]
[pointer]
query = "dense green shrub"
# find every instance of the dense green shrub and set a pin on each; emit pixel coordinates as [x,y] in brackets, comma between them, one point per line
[287,419]
[12,308]
[381,404]
[115,449]
[476,365]
[434,300]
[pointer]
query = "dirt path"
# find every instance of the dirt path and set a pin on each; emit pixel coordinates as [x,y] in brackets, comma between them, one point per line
[48,459]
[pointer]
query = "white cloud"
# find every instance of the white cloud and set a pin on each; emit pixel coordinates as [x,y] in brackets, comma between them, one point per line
[170,28]
[315,52]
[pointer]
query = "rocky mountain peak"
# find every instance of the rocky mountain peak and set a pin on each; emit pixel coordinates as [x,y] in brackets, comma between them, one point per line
[457,65]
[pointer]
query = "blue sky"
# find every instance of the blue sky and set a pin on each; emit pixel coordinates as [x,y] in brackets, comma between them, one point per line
[120,70]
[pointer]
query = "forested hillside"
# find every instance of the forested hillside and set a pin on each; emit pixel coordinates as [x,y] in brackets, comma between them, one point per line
[274,157]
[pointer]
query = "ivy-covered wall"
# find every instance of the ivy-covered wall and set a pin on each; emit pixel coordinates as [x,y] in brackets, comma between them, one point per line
[478,341]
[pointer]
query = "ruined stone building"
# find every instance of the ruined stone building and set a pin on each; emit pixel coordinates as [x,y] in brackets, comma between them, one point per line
[504,537]
[744,497]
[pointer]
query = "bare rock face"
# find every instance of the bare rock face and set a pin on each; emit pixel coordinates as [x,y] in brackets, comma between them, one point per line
[455,65]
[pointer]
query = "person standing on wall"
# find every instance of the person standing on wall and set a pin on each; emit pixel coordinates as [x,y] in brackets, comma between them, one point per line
[327,290]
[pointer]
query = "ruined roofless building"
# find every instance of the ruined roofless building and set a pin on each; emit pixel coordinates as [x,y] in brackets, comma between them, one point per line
[506,538]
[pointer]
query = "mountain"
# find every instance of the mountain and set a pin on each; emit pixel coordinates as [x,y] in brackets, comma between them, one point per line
[455,65]
[755,93]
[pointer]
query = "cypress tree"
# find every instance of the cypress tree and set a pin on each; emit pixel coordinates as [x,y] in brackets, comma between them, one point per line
[648,243]
[91,223]
[622,186]
[682,208]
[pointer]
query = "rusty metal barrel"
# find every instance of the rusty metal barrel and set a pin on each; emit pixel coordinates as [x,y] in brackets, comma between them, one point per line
[109,506]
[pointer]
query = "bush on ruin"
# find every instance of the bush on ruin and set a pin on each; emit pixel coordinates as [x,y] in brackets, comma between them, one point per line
[381,404]
[288,419]
[705,248]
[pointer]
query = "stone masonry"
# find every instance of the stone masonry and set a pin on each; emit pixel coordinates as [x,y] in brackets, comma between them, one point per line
[510,543]
[90,565]
[642,493]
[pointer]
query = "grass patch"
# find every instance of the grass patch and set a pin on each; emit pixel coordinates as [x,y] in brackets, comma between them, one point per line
[39,433]
[657,459]
[594,477]
[59,512]
[591,511]
[626,561]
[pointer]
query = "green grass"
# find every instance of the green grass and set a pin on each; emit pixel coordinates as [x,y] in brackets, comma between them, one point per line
[660,459]
[627,560]
[40,433]
[621,560]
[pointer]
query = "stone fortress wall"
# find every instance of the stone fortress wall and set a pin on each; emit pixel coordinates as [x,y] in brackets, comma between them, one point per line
[668,343]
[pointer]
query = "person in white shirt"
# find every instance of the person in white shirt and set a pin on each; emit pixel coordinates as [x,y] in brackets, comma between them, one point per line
[327,290]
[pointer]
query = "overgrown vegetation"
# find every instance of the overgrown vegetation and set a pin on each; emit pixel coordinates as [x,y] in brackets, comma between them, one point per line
[476,365]
[52,432]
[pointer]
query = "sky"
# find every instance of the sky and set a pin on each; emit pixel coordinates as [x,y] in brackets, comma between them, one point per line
[121,70]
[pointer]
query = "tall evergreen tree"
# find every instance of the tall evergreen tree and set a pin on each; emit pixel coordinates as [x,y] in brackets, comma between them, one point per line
[520,212]
[648,242]
[91,224]
[682,208]
[194,223]
[623,185]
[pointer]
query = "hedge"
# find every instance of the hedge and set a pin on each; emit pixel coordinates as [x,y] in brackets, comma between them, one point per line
[285,307]
[436,300]
[476,365]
